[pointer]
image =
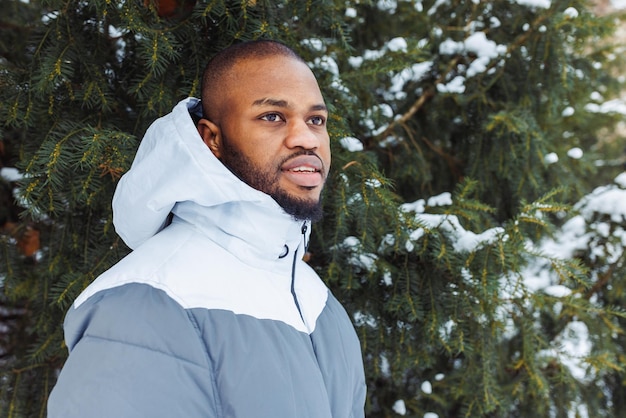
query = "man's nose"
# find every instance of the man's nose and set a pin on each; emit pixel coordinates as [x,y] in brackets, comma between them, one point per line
[301,134]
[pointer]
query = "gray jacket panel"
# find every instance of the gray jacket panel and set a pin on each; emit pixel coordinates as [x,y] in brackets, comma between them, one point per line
[135,352]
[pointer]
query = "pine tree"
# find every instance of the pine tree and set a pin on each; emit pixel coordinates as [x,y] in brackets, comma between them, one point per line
[447,117]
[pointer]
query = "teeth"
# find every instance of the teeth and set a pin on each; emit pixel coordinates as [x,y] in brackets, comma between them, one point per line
[304,169]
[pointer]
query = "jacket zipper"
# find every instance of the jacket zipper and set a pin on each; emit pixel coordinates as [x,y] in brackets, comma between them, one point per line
[293,272]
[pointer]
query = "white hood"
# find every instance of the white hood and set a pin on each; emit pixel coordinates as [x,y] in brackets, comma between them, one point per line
[175,172]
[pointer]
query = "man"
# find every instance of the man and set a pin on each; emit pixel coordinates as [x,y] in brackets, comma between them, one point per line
[214,313]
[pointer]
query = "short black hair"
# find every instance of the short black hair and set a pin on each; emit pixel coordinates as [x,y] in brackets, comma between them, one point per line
[223,62]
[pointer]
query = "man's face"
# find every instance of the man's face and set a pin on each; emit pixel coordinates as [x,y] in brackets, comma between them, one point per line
[271,132]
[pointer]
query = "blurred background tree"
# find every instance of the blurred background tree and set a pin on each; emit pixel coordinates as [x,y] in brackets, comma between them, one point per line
[470,141]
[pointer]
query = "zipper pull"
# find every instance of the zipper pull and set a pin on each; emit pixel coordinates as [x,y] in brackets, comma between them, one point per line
[307,255]
[305,227]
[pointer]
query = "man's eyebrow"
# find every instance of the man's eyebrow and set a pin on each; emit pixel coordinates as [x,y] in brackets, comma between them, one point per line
[266,101]
[321,106]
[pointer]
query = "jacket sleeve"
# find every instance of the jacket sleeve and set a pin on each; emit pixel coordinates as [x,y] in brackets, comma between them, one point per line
[134,352]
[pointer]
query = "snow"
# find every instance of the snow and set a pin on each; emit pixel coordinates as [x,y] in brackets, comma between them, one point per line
[387,278]
[415,73]
[364,319]
[328,63]
[117,34]
[456,85]
[571,13]
[367,117]
[608,200]
[575,153]
[435,6]
[373,54]
[384,365]
[350,12]
[558,291]
[48,17]
[315,44]
[355,62]
[450,47]
[543,4]
[463,240]
[10,174]
[387,6]
[483,51]
[620,180]
[399,407]
[571,346]
[366,261]
[351,144]
[596,96]
[397,44]
[444,199]
[468,241]
[551,158]
[611,106]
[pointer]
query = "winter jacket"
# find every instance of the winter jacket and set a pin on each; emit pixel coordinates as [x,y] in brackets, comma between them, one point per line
[213,315]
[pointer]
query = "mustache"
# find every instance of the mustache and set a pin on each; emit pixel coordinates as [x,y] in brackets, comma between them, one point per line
[298,154]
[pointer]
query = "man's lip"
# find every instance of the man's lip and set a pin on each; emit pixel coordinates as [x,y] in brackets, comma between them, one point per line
[303,161]
[304,171]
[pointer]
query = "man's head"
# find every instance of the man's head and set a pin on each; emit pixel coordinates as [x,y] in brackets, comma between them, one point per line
[265,119]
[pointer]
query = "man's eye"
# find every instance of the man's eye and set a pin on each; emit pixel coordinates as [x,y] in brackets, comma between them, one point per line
[272,117]
[317,120]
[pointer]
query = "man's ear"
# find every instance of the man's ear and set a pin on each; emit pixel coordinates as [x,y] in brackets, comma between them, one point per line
[211,136]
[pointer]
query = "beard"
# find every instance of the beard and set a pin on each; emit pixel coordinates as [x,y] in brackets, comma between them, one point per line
[267,181]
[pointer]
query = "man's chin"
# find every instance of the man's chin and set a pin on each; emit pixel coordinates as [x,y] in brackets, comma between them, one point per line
[300,209]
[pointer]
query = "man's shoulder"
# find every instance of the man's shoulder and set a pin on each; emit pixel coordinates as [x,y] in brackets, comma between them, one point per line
[138,298]
[135,314]
[163,262]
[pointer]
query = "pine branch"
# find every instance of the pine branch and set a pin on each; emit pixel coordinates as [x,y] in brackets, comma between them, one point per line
[606,277]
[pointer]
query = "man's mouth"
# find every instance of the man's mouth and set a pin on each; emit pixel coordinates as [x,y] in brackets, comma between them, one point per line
[304,170]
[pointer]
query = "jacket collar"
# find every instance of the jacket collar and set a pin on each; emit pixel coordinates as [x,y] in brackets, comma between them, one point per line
[254,233]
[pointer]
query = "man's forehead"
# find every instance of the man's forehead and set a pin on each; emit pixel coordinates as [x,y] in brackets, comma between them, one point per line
[258,62]
[272,81]
[247,68]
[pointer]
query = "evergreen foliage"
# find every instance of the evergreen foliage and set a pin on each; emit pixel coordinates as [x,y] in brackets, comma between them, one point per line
[443,204]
